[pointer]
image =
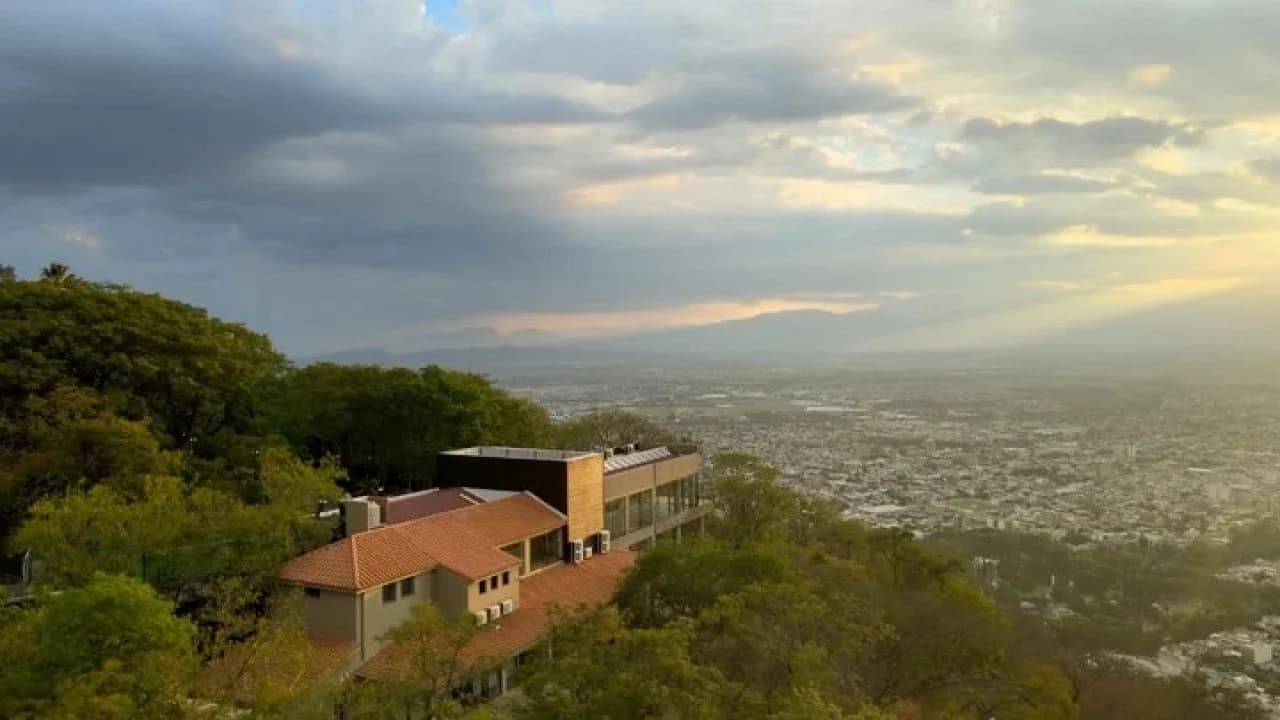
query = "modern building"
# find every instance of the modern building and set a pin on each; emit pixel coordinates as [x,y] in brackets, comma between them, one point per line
[510,533]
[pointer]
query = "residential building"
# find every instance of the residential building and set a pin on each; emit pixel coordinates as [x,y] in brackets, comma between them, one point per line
[511,533]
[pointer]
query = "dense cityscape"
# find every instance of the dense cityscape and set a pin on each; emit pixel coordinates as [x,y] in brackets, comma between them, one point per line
[1046,451]
[1087,455]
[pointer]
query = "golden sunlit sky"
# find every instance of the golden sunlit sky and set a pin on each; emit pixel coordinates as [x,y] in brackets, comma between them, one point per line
[341,174]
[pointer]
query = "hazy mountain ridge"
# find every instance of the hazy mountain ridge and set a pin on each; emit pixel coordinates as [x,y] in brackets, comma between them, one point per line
[1235,321]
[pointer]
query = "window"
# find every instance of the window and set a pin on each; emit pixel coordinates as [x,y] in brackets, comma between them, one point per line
[546,549]
[515,550]
[389,593]
[668,499]
[312,592]
[406,586]
[483,586]
[640,511]
[615,517]
[506,578]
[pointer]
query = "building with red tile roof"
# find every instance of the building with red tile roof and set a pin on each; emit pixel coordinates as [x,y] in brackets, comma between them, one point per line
[517,532]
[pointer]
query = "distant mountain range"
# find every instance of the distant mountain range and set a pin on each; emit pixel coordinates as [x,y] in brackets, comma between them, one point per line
[1239,321]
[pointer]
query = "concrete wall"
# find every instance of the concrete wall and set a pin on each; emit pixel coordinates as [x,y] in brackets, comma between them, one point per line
[644,477]
[379,617]
[332,615]
[629,482]
[677,467]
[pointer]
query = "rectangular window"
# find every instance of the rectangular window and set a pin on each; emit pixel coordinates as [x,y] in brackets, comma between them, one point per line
[506,578]
[312,592]
[515,550]
[668,504]
[406,586]
[389,593]
[546,550]
[615,517]
[640,511]
[483,586]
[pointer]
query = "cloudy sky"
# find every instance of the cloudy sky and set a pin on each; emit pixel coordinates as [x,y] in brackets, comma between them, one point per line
[345,173]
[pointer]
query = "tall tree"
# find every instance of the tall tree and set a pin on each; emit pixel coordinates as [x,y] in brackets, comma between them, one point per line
[612,428]
[57,273]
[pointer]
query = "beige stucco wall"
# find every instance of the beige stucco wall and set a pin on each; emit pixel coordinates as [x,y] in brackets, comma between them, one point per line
[477,602]
[379,617]
[331,615]
[450,592]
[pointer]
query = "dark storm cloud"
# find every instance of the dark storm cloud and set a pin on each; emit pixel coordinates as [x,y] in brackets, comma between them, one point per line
[766,88]
[119,119]
[287,156]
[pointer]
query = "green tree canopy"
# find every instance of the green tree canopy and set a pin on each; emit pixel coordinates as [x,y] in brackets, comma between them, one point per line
[109,649]
[190,376]
[610,429]
[179,538]
[386,425]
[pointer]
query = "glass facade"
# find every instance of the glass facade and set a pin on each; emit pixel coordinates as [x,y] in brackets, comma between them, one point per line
[516,550]
[667,502]
[546,549]
[640,510]
[615,517]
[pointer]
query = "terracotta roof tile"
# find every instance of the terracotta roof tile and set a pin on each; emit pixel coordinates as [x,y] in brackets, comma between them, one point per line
[588,584]
[465,541]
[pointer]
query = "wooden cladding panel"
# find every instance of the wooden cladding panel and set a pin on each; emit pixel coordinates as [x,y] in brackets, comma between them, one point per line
[585,493]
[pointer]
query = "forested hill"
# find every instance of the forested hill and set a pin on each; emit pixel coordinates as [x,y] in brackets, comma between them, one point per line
[160,464]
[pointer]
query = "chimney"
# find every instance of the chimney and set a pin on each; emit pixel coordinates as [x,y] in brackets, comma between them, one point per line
[361,514]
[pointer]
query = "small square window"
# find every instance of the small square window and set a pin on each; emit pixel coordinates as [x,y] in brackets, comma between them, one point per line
[406,586]
[312,592]
[389,593]
[483,586]
[506,578]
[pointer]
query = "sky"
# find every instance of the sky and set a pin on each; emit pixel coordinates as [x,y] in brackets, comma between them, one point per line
[376,173]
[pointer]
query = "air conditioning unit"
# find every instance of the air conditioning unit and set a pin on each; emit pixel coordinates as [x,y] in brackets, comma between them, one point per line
[508,606]
[586,551]
[630,448]
[495,612]
[605,536]
[578,550]
[482,618]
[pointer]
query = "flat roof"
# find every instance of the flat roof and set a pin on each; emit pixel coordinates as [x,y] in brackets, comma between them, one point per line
[624,461]
[515,453]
